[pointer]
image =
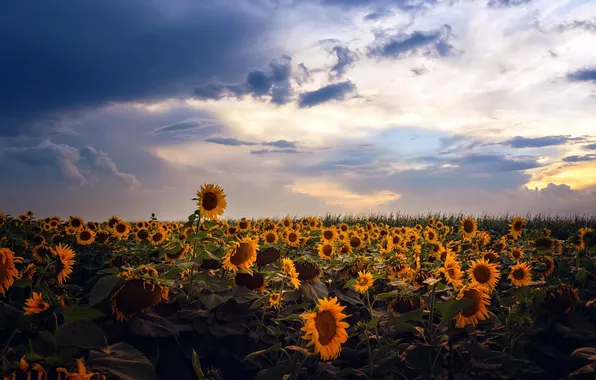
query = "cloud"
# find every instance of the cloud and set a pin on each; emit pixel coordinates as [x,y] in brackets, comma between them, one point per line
[434,43]
[409,6]
[196,127]
[79,55]
[588,25]
[587,157]
[488,163]
[336,91]
[418,71]
[536,142]
[345,59]
[590,146]
[579,175]
[379,14]
[583,75]
[236,142]
[281,151]
[100,161]
[274,85]
[507,3]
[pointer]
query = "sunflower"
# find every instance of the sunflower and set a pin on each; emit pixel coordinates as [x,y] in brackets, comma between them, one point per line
[452,272]
[325,329]
[328,234]
[81,373]
[288,266]
[517,226]
[211,201]
[180,252]
[520,274]
[403,304]
[64,261]
[563,299]
[476,311]
[516,253]
[157,237]
[355,242]
[343,227]
[275,300]
[287,222]
[244,224]
[231,231]
[254,281]
[549,266]
[293,238]
[326,250]
[41,252]
[135,296]
[121,230]
[364,282]
[430,235]
[344,247]
[85,237]
[468,227]
[24,217]
[270,237]
[490,256]
[307,271]
[483,273]
[35,304]
[8,272]
[241,255]
[24,367]
[76,222]
[267,256]
[38,239]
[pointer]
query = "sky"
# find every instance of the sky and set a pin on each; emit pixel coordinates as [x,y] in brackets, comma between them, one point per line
[298,107]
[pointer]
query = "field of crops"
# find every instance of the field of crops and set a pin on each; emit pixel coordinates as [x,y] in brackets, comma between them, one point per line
[385,297]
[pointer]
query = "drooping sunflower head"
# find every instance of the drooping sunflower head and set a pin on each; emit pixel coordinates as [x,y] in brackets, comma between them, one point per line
[241,255]
[179,252]
[307,271]
[520,274]
[135,296]
[267,256]
[211,201]
[544,266]
[325,329]
[483,273]
[254,281]
[326,250]
[403,304]
[65,259]
[562,300]
[41,253]
[8,272]
[468,227]
[476,310]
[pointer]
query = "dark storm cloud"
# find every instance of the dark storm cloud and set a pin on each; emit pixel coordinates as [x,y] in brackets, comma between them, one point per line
[506,3]
[401,45]
[335,91]
[274,151]
[236,142]
[496,162]
[587,157]
[536,142]
[588,25]
[345,59]
[72,55]
[583,75]
[590,146]
[204,127]
[274,84]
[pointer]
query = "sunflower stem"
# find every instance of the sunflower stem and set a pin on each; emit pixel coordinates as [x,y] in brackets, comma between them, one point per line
[194,255]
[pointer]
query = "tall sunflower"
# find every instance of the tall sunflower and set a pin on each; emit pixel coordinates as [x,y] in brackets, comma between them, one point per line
[477,310]
[517,226]
[8,272]
[241,255]
[468,227]
[211,201]
[483,273]
[520,274]
[324,328]
[64,256]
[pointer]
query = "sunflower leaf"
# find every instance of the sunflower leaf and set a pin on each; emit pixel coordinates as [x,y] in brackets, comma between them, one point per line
[80,333]
[122,360]
[276,347]
[102,289]
[81,312]
[196,364]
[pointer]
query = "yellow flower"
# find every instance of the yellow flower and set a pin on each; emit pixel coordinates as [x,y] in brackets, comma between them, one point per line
[364,282]
[35,304]
[468,227]
[275,300]
[85,237]
[520,274]
[484,274]
[328,234]
[64,261]
[241,255]
[293,238]
[211,201]
[476,311]
[452,272]
[326,250]
[325,329]
[8,272]
[81,373]
[136,295]
[517,226]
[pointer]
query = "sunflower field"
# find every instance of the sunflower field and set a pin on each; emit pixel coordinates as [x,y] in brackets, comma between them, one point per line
[387,297]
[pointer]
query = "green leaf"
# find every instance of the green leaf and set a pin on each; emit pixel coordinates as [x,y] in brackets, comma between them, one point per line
[196,364]
[122,360]
[276,347]
[153,326]
[81,312]
[372,323]
[350,283]
[80,333]
[414,315]
[22,283]
[388,295]
[449,309]
[212,300]
[102,289]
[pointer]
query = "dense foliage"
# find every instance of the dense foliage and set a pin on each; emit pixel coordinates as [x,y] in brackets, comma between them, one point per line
[380,297]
